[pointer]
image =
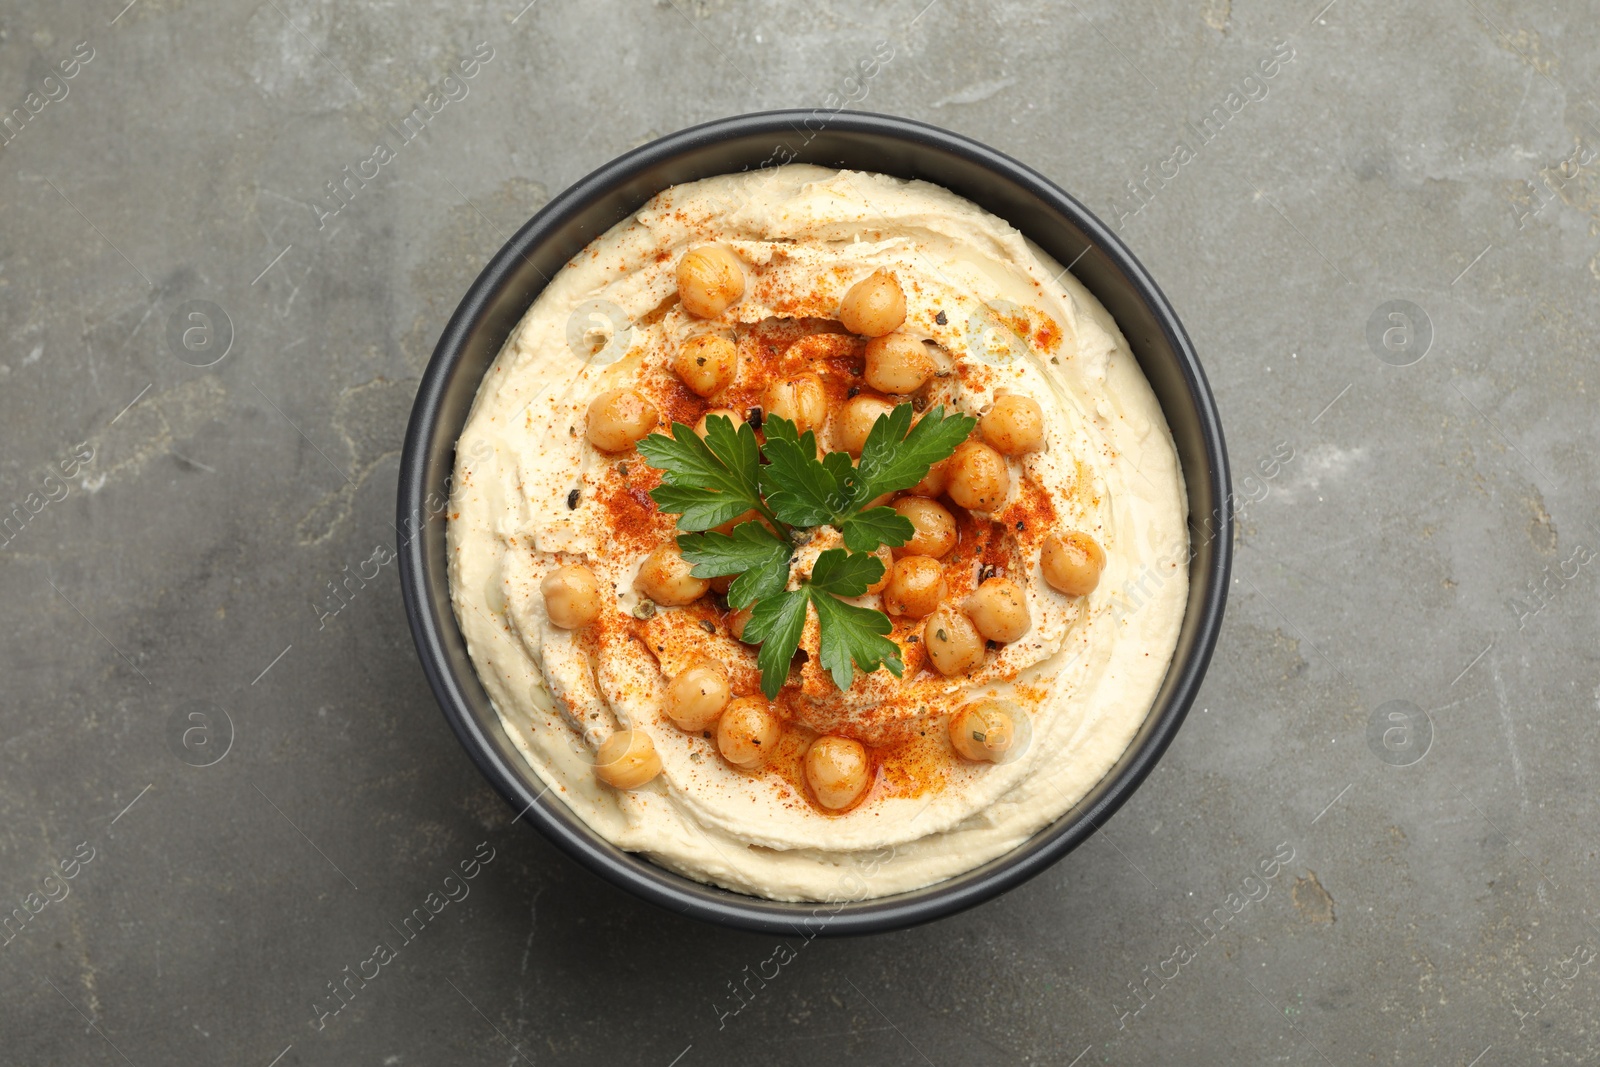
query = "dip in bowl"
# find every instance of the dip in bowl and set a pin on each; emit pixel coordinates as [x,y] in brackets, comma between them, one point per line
[1026,613]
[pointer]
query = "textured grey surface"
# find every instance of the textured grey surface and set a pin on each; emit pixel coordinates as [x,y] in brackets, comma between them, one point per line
[1436,910]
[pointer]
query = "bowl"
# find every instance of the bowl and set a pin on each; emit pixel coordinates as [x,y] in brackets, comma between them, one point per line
[904,148]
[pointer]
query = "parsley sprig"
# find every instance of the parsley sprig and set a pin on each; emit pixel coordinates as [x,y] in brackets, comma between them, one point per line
[713,481]
[852,636]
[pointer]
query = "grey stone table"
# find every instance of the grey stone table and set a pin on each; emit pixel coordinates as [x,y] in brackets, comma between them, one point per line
[1385,250]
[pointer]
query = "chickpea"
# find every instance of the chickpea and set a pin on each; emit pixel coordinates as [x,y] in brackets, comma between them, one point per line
[1072,563]
[886,557]
[983,732]
[954,644]
[934,482]
[800,399]
[664,577]
[935,527]
[748,732]
[571,596]
[999,609]
[710,280]
[727,413]
[979,480]
[915,588]
[836,771]
[898,363]
[627,759]
[874,306]
[1014,425]
[706,363]
[740,619]
[853,421]
[618,418]
[698,695]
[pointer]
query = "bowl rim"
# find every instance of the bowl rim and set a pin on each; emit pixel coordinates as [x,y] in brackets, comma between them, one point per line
[430,621]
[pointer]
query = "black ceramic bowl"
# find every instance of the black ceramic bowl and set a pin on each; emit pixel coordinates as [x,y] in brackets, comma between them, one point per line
[508,285]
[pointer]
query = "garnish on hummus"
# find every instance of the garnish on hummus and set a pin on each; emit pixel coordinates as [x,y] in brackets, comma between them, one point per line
[857,534]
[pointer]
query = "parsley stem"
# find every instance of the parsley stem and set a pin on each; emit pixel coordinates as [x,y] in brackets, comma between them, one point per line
[783,528]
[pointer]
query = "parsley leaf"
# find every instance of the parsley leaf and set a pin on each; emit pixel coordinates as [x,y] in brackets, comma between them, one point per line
[877,526]
[776,623]
[845,574]
[708,482]
[698,509]
[852,637]
[751,551]
[800,490]
[803,490]
[893,459]
[839,465]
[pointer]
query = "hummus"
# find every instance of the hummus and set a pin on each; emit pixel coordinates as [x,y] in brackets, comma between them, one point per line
[532,494]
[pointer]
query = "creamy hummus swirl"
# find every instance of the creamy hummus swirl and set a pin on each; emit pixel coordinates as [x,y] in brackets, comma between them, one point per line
[531,494]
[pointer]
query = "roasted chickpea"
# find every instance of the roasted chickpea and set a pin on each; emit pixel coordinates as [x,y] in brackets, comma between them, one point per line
[898,363]
[916,585]
[874,306]
[727,413]
[935,527]
[1072,563]
[999,609]
[737,623]
[664,577]
[618,418]
[886,557]
[934,482]
[983,732]
[698,695]
[979,480]
[748,732]
[706,363]
[1014,425]
[836,771]
[710,280]
[571,596]
[627,759]
[800,399]
[853,421]
[954,644]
